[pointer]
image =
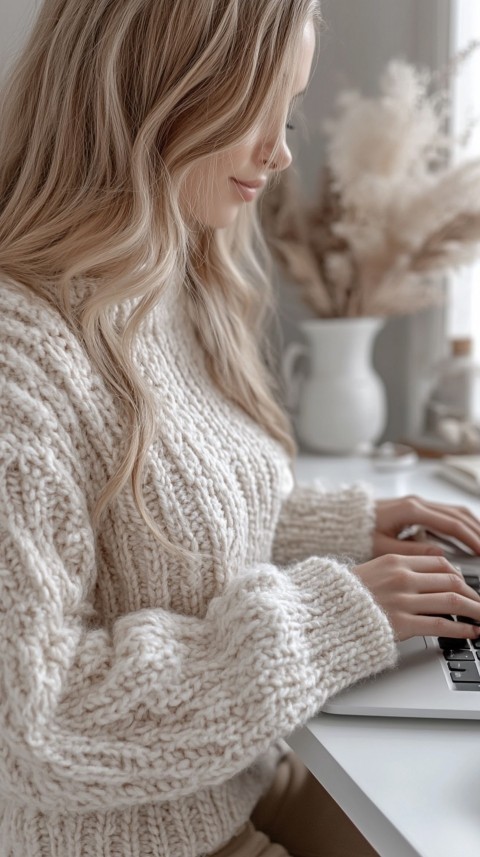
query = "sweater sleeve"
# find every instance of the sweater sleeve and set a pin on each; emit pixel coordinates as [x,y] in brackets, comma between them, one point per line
[159,703]
[314,521]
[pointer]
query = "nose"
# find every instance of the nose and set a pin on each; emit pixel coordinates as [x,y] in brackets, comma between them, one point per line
[278,160]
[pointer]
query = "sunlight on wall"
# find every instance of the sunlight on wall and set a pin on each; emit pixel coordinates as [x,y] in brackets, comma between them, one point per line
[465,288]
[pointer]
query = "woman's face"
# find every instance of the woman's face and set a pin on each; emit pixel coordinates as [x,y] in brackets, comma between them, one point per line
[217,188]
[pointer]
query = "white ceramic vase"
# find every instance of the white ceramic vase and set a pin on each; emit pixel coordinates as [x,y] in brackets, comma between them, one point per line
[339,404]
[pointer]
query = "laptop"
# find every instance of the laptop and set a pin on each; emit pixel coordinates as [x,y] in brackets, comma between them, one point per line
[434,677]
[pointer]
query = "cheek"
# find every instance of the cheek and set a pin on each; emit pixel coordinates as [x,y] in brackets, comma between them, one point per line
[198,180]
[208,195]
[209,176]
[236,161]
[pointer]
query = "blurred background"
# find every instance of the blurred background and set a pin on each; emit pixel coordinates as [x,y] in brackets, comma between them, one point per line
[359,39]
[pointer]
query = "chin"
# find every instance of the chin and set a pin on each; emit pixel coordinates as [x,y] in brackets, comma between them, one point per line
[223,219]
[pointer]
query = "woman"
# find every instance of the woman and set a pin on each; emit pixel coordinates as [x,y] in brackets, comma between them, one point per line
[173,606]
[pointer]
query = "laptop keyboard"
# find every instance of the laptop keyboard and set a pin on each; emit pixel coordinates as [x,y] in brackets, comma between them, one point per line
[463,656]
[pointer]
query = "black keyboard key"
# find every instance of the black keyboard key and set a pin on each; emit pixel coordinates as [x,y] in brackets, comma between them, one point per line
[468,673]
[467,686]
[472,580]
[460,676]
[457,665]
[458,655]
[451,643]
[476,644]
[468,620]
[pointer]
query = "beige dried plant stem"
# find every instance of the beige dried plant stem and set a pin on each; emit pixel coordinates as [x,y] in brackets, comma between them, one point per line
[381,229]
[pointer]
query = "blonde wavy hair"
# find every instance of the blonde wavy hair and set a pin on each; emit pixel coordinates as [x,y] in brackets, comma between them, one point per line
[108,107]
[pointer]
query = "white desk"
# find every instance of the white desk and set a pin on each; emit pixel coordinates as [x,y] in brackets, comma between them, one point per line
[411,786]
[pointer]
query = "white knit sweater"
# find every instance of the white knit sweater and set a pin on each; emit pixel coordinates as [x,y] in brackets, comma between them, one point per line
[141,698]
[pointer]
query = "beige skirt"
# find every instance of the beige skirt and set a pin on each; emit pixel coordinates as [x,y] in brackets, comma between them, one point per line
[297,818]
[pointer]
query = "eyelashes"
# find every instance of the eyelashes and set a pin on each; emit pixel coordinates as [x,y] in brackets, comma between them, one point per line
[290,127]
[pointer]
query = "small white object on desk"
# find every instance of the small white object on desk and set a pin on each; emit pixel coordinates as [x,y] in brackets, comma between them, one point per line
[393,456]
[462,470]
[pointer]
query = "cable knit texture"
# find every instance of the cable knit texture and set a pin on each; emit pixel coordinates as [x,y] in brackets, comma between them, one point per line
[143,699]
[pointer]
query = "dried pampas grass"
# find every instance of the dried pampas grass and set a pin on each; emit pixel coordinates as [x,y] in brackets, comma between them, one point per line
[393,212]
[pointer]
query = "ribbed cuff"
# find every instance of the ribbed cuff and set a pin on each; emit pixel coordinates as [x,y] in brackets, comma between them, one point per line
[349,635]
[315,522]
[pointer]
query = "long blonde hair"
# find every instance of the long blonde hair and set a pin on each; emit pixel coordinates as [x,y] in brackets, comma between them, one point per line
[107,108]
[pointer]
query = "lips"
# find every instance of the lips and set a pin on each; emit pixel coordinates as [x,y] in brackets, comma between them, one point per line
[248,189]
[252,185]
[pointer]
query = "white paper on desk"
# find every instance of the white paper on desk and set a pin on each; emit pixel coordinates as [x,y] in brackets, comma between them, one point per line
[462,470]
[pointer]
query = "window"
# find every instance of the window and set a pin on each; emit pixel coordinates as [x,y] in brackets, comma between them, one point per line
[464,315]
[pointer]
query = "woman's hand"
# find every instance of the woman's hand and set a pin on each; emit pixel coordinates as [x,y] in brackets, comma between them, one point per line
[418,592]
[393,516]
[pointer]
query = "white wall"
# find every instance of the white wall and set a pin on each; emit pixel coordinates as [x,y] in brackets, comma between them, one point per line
[360,37]
[15,19]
